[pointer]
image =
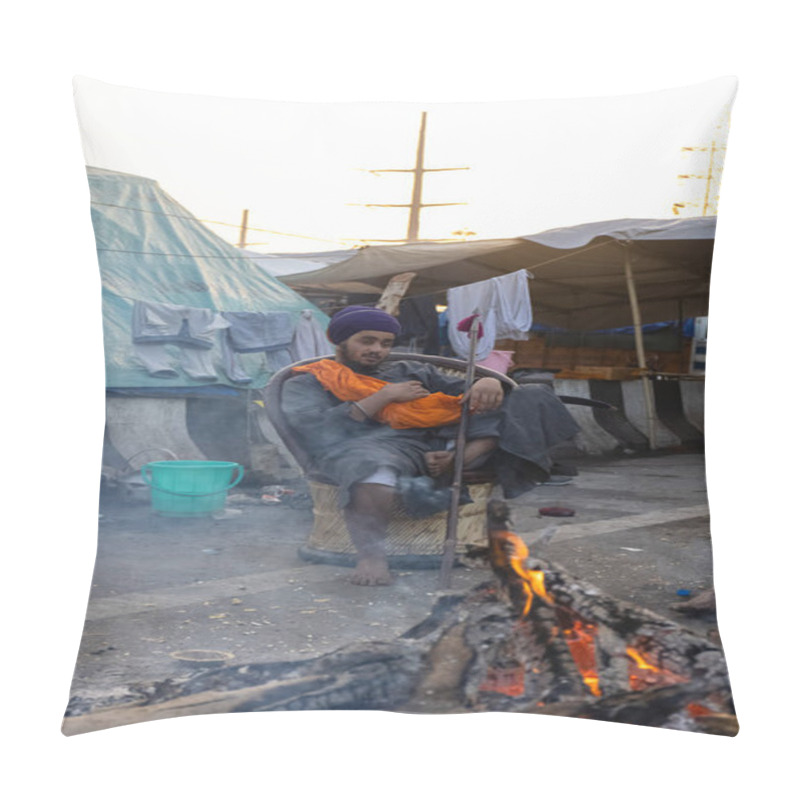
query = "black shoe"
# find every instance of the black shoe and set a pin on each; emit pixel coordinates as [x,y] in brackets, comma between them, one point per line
[421,498]
[564,469]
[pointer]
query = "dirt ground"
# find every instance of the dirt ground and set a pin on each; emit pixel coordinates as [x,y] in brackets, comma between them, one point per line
[640,533]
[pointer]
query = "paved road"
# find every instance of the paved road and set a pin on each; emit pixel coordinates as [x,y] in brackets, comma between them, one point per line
[640,533]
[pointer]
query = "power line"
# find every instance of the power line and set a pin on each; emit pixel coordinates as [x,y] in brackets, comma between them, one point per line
[214,222]
[171,255]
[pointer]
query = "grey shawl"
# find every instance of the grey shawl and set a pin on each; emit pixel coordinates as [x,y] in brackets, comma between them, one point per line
[345,451]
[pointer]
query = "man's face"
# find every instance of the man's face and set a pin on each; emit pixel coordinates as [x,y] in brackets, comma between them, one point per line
[366,348]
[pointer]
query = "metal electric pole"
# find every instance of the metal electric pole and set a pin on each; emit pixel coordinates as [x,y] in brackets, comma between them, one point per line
[416,205]
[709,176]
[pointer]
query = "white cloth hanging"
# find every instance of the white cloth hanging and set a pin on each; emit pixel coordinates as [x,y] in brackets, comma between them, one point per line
[309,339]
[514,315]
[504,304]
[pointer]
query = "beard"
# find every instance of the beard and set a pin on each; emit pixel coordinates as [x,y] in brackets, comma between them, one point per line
[346,358]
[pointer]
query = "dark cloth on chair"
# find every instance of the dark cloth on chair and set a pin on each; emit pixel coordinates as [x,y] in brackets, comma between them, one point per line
[344,451]
[419,323]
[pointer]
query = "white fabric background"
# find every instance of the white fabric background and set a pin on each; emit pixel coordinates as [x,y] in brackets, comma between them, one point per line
[349,50]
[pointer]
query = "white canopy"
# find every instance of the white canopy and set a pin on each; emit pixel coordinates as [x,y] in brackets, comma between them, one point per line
[579,279]
[278,264]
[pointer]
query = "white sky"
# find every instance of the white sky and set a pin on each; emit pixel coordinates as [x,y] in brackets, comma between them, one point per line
[299,168]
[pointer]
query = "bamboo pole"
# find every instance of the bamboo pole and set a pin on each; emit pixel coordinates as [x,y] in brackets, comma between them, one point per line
[647,385]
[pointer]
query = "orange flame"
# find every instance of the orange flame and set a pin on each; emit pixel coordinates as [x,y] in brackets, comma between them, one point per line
[508,554]
[644,674]
[536,577]
[580,640]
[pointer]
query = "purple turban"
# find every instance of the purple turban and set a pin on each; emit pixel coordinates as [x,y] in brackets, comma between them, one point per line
[354,319]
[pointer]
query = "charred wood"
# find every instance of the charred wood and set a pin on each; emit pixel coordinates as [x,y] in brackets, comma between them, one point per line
[475,653]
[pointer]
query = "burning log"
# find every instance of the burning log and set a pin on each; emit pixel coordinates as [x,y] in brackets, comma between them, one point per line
[535,641]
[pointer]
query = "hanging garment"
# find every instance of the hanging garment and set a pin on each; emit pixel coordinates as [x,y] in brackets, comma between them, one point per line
[514,312]
[156,360]
[193,330]
[505,307]
[232,363]
[256,331]
[197,364]
[462,302]
[309,339]
[166,323]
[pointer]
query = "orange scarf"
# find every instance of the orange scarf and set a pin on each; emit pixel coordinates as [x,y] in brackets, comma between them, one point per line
[426,412]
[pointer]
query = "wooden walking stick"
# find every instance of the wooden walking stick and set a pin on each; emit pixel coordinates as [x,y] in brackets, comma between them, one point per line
[449,554]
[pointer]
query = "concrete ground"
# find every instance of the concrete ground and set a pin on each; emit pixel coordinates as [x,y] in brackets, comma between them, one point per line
[640,533]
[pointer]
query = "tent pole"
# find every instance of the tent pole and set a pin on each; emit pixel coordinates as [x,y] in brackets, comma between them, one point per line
[647,385]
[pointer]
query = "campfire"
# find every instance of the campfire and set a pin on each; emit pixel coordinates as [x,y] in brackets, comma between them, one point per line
[533,640]
[575,651]
[597,641]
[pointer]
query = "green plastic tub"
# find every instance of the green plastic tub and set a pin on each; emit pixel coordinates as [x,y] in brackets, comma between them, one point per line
[190,488]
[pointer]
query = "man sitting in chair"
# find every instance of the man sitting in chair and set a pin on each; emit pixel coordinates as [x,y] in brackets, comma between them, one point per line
[370,425]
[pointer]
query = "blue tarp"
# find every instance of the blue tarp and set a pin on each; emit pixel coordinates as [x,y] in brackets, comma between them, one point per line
[687,328]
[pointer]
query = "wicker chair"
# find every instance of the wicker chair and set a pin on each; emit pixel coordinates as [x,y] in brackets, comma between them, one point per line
[411,543]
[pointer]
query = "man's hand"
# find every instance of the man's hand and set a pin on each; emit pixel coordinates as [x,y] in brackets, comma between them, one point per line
[403,392]
[486,394]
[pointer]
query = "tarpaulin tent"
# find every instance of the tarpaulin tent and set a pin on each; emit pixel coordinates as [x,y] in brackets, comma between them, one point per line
[579,278]
[151,248]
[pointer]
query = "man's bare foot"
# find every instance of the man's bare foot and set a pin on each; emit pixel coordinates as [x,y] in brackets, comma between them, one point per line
[372,571]
[439,462]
